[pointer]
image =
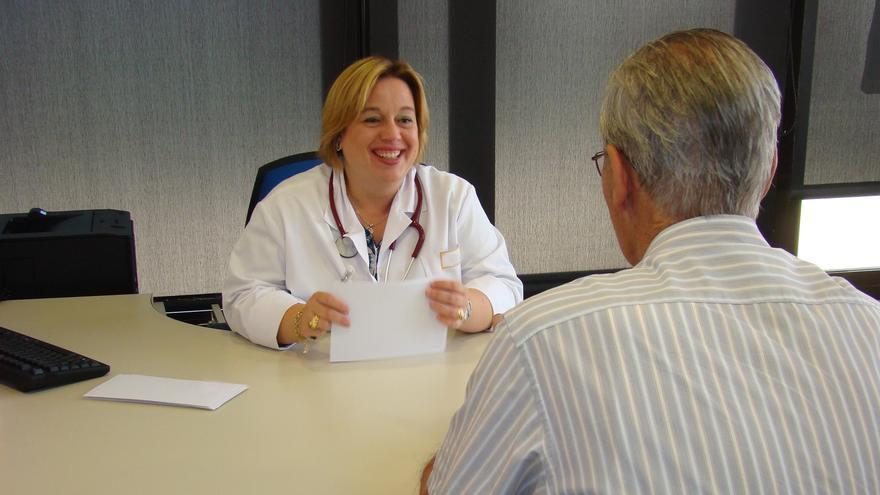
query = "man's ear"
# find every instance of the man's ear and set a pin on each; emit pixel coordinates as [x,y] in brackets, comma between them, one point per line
[769,183]
[621,178]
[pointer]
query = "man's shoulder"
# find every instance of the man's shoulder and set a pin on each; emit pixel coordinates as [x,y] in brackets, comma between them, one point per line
[783,279]
[576,299]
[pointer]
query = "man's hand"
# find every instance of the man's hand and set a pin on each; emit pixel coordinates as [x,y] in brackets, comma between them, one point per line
[426,473]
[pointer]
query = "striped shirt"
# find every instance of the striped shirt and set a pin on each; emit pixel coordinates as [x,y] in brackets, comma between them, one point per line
[716,365]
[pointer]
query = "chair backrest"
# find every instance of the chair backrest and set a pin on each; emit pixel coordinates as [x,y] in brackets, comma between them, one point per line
[271,174]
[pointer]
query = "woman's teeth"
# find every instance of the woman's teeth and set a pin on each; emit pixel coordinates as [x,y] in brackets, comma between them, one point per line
[388,154]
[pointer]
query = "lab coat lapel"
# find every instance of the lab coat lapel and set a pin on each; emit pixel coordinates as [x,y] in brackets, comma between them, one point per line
[347,217]
[402,208]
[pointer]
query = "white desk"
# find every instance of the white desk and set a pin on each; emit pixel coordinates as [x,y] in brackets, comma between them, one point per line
[303,426]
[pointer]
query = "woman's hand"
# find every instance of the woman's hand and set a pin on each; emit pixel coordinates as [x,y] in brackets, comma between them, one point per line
[450,300]
[317,316]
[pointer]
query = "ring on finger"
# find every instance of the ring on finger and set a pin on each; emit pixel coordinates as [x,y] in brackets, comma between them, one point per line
[313,323]
[460,314]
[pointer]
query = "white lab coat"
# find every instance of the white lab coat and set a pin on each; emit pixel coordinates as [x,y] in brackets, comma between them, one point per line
[287,251]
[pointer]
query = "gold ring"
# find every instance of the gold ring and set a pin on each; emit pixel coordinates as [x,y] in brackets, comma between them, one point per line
[313,323]
[460,313]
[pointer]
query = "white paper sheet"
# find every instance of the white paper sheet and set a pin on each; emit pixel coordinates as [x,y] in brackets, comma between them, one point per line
[166,391]
[387,320]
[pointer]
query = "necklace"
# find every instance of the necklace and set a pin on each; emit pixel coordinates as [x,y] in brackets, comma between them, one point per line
[367,225]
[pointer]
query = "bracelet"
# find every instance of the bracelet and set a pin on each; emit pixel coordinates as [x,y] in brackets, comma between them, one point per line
[297,334]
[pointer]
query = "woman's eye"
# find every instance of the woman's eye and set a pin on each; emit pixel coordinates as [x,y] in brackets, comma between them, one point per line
[371,120]
[406,120]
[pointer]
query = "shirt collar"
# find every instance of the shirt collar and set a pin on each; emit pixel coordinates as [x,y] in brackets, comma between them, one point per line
[711,229]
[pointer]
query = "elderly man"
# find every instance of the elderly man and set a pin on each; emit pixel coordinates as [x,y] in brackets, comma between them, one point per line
[716,364]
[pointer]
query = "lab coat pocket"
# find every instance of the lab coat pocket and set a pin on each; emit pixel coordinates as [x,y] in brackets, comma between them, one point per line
[450,259]
[449,262]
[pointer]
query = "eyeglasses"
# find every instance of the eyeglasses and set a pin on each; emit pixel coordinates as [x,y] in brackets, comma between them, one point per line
[596,158]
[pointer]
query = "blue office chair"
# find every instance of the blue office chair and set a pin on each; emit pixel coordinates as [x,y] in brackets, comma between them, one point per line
[272,173]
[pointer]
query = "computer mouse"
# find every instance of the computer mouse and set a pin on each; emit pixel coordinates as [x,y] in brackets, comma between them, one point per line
[37,213]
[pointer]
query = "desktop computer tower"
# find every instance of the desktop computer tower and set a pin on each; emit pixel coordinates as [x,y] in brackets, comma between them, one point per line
[67,253]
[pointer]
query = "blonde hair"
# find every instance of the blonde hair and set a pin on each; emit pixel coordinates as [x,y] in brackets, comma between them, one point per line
[348,97]
[696,113]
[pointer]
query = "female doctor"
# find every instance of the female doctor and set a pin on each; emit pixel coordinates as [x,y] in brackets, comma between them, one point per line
[370,212]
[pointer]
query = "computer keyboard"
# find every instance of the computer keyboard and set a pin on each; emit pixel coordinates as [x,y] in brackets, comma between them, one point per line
[29,364]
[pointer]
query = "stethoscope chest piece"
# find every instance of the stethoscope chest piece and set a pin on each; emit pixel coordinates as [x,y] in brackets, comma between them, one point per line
[345,246]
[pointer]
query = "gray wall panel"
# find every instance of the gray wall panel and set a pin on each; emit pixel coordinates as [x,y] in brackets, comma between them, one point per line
[843,143]
[553,60]
[423,27]
[162,108]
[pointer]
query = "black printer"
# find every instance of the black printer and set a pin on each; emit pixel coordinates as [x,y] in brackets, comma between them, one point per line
[67,253]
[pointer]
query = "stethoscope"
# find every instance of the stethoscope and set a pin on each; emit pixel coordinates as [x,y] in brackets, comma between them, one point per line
[346,246]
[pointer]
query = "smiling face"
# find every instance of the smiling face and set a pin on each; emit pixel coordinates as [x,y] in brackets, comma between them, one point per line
[382,143]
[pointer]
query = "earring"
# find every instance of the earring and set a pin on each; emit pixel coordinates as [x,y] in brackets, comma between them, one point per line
[338,145]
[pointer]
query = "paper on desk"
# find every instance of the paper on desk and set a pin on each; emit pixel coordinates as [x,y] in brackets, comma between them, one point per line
[166,391]
[387,320]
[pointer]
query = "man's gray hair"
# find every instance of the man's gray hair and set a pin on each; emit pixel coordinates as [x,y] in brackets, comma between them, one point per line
[695,112]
